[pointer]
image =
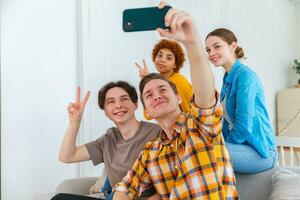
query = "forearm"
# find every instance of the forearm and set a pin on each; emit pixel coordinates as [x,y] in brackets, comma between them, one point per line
[120,196]
[201,75]
[68,146]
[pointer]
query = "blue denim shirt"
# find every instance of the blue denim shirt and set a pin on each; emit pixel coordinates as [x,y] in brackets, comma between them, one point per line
[245,105]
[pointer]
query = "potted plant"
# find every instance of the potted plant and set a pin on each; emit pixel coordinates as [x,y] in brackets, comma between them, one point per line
[296,68]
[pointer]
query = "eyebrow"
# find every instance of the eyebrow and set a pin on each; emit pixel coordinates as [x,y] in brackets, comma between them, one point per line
[214,44]
[112,98]
[168,54]
[160,86]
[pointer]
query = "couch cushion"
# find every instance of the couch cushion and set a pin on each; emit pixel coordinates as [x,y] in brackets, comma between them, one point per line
[255,186]
[286,184]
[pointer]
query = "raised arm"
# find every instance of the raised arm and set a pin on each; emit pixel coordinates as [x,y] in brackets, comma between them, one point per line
[69,152]
[184,30]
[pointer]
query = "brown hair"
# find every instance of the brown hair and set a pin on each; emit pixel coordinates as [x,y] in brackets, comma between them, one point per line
[153,76]
[174,47]
[131,91]
[229,37]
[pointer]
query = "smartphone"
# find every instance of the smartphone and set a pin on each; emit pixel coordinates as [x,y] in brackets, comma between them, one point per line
[144,19]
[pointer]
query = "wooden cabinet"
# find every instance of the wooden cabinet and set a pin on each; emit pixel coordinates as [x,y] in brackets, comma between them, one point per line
[288,112]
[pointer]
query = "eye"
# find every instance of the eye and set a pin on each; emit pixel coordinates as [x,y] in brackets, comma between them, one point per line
[148,95]
[169,58]
[163,90]
[217,46]
[208,50]
[159,55]
[124,99]
[109,102]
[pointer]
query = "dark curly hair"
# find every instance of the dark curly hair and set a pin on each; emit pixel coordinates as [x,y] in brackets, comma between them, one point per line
[174,47]
[131,91]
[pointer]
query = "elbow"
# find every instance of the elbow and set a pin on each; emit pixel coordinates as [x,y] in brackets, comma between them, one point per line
[63,158]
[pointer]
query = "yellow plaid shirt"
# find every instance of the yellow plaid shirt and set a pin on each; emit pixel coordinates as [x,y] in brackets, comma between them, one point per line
[194,165]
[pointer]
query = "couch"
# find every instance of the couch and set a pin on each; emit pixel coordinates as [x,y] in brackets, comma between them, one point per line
[251,187]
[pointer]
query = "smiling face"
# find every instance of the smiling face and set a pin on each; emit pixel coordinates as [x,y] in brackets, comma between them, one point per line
[159,99]
[219,52]
[165,62]
[118,106]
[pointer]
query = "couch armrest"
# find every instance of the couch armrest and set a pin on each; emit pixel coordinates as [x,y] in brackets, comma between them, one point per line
[79,186]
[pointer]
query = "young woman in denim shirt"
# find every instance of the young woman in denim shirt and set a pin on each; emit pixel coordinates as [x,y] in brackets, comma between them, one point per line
[246,125]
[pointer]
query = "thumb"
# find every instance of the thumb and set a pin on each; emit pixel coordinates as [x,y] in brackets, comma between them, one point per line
[163,33]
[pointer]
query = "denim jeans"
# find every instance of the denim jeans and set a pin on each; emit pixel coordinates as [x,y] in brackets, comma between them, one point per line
[246,160]
[107,190]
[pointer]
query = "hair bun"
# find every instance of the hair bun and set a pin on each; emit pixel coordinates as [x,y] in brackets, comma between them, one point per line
[239,52]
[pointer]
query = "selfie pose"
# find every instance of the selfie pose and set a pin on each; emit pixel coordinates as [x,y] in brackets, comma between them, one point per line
[246,125]
[188,160]
[120,146]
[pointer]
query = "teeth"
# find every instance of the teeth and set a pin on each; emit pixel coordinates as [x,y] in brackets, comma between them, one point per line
[120,113]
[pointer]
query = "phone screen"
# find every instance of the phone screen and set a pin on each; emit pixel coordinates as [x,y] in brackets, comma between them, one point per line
[144,19]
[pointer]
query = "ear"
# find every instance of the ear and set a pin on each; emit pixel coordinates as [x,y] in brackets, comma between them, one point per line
[179,99]
[233,46]
[136,105]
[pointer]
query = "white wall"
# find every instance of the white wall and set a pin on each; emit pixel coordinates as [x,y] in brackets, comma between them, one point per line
[266,29]
[298,29]
[38,75]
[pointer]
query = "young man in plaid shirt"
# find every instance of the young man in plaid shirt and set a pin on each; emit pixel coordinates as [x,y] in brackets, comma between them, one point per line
[188,159]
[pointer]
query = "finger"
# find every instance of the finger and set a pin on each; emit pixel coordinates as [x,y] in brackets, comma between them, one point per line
[78,95]
[138,66]
[173,21]
[161,5]
[145,65]
[168,16]
[69,107]
[179,21]
[85,99]
[163,33]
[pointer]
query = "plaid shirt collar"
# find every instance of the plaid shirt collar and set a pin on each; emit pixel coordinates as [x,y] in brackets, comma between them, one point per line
[177,129]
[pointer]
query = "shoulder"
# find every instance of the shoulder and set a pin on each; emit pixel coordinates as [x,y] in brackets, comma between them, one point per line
[150,126]
[153,144]
[245,75]
[180,81]
[177,76]
[109,135]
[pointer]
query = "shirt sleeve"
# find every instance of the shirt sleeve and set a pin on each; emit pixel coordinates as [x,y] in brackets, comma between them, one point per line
[137,179]
[95,150]
[245,108]
[208,120]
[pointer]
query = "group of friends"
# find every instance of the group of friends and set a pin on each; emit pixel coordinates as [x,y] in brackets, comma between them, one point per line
[201,138]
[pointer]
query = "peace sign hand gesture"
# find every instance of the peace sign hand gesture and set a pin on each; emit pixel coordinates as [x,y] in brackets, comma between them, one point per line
[75,110]
[142,70]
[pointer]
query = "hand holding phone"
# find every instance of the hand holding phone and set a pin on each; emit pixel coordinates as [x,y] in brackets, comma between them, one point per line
[144,19]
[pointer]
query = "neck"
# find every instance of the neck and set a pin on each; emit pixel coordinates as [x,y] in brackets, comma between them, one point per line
[228,66]
[168,74]
[167,123]
[129,128]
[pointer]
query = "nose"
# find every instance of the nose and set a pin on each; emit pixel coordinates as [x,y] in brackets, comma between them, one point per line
[162,59]
[157,97]
[118,104]
[211,52]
